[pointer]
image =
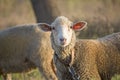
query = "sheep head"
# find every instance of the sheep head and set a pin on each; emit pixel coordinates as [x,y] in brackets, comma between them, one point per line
[62,30]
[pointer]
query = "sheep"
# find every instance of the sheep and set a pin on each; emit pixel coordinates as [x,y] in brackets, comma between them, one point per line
[23,48]
[82,59]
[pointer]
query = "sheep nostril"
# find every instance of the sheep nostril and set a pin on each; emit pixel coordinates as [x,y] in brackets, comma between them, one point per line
[63,40]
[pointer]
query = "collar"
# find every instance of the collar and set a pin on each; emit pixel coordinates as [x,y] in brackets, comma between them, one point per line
[69,64]
[68,61]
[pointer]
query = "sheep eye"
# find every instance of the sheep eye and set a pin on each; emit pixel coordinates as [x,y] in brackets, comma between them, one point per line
[71,27]
[53,28]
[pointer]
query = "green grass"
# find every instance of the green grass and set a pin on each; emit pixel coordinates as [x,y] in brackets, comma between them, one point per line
[35,75]
[32,75]
[116,77]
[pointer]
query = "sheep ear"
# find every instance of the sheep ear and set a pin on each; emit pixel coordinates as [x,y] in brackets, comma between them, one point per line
[79,25]
[45,27]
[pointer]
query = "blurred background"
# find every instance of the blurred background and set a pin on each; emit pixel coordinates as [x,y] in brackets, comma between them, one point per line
[102,16]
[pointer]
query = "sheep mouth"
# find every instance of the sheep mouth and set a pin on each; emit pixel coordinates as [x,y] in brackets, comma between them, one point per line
[63,44]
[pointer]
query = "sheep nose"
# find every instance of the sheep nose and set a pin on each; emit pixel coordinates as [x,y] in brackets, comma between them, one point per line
[63,39]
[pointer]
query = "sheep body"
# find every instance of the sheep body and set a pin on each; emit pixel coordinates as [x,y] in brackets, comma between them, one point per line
[97,59]
[23,48]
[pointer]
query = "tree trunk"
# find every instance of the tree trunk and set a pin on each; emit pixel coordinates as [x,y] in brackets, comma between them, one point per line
[45,10]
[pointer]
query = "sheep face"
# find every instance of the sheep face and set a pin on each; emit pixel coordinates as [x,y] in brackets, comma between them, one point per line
[62,30]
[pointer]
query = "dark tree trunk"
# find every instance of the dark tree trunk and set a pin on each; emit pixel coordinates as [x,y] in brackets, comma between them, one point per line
[45,10]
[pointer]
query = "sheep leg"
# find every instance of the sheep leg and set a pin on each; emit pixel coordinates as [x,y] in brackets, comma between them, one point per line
[7,77]
[45,68]
[53,67]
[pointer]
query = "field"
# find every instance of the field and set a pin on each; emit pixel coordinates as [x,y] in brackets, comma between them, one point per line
[103,17]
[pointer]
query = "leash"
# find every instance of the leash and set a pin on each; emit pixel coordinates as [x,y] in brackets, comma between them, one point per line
[75,76]
[71,70]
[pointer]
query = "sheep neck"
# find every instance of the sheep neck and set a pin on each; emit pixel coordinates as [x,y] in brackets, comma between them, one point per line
[64,53]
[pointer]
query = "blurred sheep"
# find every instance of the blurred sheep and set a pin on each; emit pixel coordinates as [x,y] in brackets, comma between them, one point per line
[23,48]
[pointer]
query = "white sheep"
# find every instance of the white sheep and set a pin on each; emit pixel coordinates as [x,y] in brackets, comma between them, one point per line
[83,59]
[23,48]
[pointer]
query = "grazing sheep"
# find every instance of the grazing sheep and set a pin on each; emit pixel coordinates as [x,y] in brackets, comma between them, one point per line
[23,48]
[84,59]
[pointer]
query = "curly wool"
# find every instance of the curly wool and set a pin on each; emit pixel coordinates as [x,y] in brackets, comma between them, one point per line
[94,59]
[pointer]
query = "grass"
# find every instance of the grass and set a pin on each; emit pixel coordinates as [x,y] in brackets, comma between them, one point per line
[116,77]
[32,75]
[35,75]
